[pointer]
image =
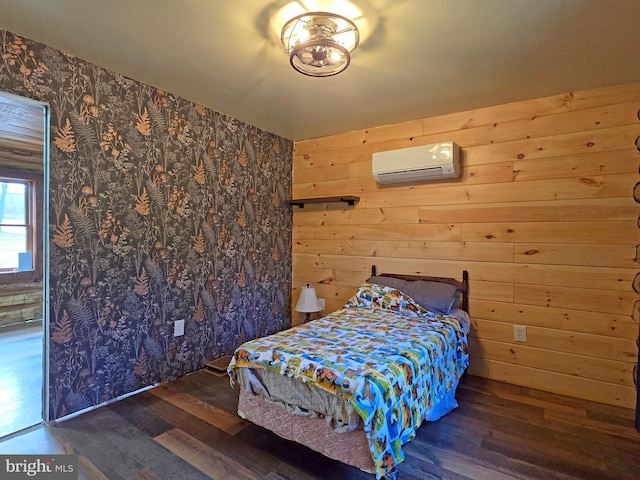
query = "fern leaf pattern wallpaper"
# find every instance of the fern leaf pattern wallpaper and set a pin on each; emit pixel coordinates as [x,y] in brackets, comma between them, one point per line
[159,210]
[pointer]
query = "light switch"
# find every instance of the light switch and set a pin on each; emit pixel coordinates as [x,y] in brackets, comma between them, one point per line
[178,328]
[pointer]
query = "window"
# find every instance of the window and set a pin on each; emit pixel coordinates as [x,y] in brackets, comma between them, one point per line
[16,224]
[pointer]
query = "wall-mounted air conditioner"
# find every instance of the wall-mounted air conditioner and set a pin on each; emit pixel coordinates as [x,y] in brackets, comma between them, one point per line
[417,164]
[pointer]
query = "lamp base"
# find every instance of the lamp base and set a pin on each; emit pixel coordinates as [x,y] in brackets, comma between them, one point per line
[307,317]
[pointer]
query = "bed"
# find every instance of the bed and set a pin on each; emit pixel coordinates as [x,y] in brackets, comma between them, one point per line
[356,384]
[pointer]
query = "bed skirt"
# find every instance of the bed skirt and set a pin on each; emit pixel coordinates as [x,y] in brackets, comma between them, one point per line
[351,448]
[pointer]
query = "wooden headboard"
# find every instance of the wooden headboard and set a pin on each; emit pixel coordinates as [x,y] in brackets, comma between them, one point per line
[462,286]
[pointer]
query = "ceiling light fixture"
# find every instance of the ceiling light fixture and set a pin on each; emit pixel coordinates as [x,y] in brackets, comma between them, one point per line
[320,44]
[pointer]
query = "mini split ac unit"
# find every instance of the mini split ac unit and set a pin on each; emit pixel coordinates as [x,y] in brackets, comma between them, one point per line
[417,164]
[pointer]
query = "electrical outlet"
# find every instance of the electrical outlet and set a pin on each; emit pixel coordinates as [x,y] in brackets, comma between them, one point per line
[178,328]
[519,333]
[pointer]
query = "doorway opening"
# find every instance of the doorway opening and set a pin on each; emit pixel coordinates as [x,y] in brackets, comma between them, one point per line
[23,270]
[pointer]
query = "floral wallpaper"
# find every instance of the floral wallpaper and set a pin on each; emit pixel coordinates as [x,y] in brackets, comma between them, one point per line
[159,210]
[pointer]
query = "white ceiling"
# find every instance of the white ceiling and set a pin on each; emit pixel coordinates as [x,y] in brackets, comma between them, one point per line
[424,58]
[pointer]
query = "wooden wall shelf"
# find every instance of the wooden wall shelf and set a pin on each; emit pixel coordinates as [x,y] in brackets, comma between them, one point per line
[348,199]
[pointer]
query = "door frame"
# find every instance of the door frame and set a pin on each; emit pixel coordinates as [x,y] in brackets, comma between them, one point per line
[45,246]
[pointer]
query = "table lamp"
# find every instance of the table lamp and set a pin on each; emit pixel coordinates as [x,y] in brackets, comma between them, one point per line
[308,302]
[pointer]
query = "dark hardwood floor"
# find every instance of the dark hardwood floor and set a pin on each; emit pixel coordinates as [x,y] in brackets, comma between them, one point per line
[189,429]
[20,377]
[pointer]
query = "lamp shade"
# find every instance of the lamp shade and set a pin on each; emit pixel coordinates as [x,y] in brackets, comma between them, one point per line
[308,301]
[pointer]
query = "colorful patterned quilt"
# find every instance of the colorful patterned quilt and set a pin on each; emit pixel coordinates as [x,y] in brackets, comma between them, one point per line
[391,359]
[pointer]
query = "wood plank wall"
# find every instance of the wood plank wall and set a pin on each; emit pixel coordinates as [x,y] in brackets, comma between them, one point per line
[543,218]
[22,124]
[20,302]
